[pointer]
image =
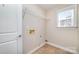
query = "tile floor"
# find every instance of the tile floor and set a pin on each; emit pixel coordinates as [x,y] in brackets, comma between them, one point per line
[48,49]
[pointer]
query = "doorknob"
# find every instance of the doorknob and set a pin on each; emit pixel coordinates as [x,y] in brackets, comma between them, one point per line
[19,35]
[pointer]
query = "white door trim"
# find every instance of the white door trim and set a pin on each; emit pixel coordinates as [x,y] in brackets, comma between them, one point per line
[19,30]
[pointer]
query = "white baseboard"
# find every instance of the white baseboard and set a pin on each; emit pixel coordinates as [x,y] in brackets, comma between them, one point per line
[52,44]
[66,49]
[36,48]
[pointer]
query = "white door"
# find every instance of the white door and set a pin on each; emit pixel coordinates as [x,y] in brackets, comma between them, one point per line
[10,29]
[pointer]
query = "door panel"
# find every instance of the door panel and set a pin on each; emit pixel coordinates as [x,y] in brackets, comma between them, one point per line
[7,37]
[8,18]
[8,47]
[10,28]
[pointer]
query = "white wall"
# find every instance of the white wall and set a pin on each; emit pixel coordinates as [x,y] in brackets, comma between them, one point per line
[65,37]
[34,18]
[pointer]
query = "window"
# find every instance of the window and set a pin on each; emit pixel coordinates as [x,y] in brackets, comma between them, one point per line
[67,17]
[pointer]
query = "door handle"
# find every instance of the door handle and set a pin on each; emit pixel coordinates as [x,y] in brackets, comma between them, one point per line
[19,35]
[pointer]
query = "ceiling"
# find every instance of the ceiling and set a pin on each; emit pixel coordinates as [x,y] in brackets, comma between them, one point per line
[47,7]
